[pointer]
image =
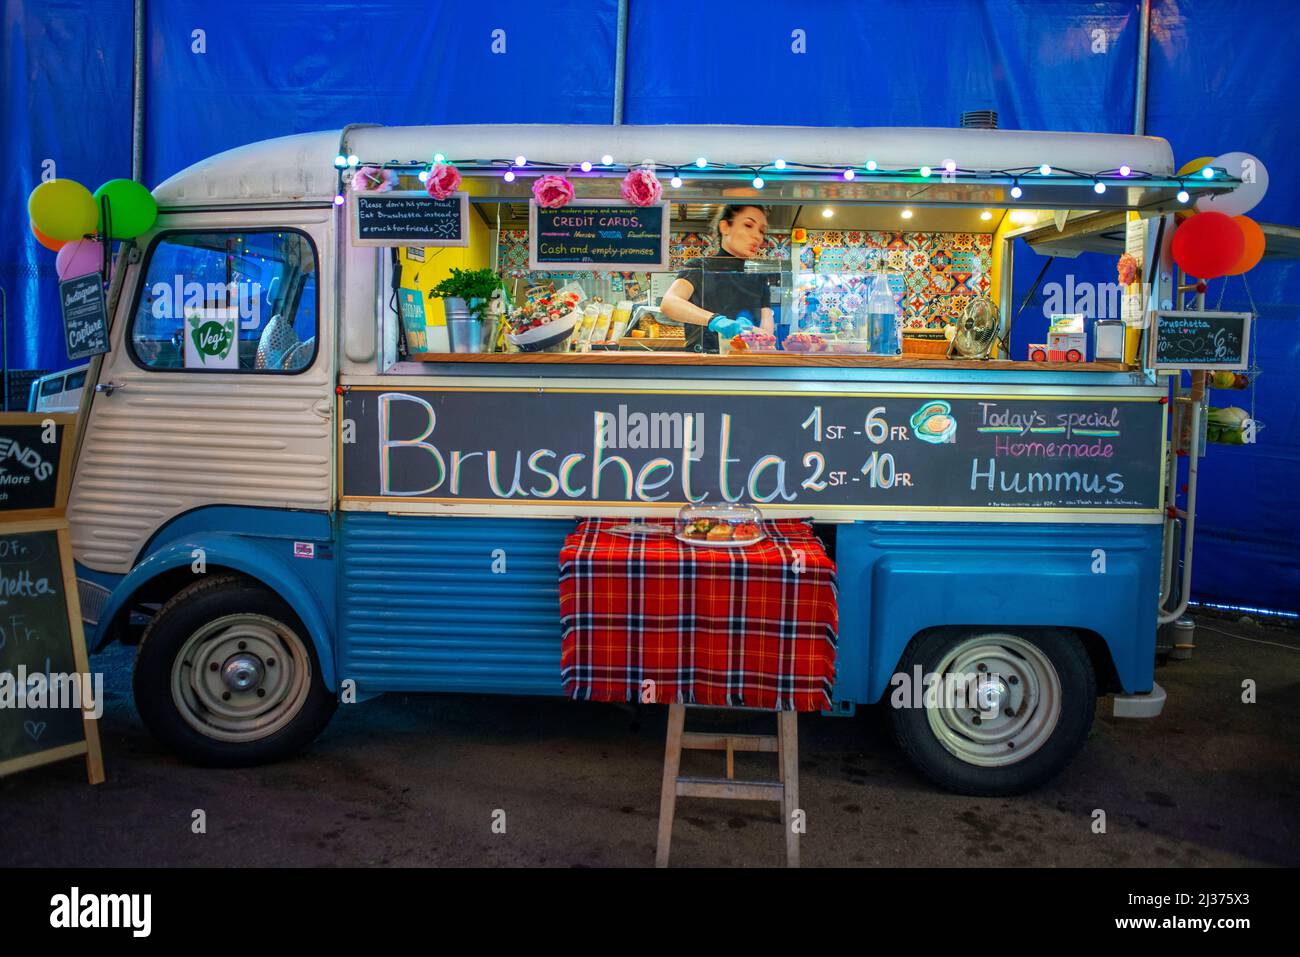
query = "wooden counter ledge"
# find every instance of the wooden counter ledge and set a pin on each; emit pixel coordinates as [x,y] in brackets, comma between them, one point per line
[763,359]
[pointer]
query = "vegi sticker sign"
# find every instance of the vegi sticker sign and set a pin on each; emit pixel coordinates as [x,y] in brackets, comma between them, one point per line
[210,340]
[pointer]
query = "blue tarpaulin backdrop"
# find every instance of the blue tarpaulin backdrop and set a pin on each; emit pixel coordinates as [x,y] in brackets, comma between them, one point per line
[220,75]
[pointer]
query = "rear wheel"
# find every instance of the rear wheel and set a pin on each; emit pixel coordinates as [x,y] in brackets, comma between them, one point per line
[1007,713]
[226,676]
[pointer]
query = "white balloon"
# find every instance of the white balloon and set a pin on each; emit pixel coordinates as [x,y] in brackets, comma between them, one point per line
[1246,196]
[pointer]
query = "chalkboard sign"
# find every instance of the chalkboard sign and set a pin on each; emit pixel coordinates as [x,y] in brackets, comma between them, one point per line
[85,316]
[1200,340]
[594,235]
[819,454]
[47,692]
[34,468]
[409,218]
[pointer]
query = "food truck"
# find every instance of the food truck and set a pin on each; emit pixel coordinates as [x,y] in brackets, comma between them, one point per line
[305,476]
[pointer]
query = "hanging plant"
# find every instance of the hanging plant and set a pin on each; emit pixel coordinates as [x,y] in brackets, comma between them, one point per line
[641,187]
[374,179]
[552,191]
[444,179]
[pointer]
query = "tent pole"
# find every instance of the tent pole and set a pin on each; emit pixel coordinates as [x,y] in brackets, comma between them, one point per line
[1140,93]
[137,95]
[620,62]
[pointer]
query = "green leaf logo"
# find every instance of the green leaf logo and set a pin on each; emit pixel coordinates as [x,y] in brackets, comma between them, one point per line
[212,338]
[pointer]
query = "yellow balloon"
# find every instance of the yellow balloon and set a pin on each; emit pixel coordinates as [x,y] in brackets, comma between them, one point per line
[63,209]
[1186,170]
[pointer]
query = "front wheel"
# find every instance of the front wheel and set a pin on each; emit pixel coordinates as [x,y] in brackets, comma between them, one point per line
[226,676]
[1001,713]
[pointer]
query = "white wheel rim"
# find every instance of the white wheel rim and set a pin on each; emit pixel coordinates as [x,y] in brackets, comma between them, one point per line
[1014,710]
[241,678]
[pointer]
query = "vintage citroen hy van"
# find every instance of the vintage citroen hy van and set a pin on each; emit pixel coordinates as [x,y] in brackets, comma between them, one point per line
[255,502]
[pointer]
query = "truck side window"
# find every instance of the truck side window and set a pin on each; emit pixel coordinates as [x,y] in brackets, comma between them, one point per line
[227,301]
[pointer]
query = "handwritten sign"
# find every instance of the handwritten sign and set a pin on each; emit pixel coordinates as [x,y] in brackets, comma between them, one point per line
[34,450]
[1200,340]
[409,218]
[85,316]
[813,453]
[593,235]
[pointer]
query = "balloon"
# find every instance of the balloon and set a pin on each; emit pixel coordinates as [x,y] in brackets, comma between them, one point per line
[1187,168]
[62,209]
[1254,251]
[1246,196]
[1208,245]
[79,258]
[53,245]
[132,208]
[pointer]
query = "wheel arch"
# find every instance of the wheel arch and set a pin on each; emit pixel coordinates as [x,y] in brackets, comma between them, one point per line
[165,572]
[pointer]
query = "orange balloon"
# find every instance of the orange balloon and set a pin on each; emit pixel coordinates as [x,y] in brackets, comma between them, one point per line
[54,245]
[1254,250]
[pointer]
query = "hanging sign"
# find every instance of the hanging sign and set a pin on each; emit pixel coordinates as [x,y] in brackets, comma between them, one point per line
[85,316]
[594,235]
[409,218]
[1199,340]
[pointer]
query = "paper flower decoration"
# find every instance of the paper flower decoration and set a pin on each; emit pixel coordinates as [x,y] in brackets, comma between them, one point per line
[1128,268]
[552,191]
[373,179]
[444,179]
[641,187]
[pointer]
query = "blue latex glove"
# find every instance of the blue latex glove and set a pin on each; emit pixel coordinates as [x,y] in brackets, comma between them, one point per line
[727,328]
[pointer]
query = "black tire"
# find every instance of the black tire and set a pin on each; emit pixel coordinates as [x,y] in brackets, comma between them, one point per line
[305,714]
[921,743]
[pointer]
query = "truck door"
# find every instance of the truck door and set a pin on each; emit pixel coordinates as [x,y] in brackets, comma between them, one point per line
[219,386]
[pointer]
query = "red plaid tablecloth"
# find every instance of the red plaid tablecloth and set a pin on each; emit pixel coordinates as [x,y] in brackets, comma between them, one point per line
[735,627]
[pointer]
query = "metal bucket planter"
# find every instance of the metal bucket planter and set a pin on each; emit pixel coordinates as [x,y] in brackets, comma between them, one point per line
[465,324]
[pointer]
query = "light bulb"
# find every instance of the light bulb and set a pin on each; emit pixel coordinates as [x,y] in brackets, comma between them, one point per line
[1017,192]
[950,166]
[1183,196]
[779,164]
[1125,170]
[586,166]
[758,182]
[521,160]
[871,165]
[675,182]
[439,158]
[1208,172]
[1045,170]
[424,176]
[848,174]
[701,162]
[338,200]
[925,171]
[1099,187]
[827,212]
[353,159]
[510,176]
[607,160]
[907,214]
[986,215]
[340,161]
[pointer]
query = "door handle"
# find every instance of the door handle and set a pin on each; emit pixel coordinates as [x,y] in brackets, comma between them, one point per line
[108,388]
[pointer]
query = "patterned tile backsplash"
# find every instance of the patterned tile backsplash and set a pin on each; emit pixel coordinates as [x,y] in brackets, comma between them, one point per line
[933,275]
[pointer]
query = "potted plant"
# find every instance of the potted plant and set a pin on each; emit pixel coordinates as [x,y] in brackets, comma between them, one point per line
[465,294]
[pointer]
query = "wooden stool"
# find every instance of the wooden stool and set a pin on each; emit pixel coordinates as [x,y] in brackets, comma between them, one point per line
[785,789]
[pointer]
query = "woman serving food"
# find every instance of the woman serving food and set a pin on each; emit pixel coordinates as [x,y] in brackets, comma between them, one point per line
[714,297]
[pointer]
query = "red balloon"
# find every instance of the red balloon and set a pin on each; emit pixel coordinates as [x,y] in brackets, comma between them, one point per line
[1208,245]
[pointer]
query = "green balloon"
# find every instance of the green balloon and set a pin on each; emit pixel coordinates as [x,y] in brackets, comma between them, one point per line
[132,209]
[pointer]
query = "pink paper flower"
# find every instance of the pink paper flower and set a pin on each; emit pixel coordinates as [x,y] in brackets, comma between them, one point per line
[641,187]
[552,191]
[444,179]
[373,179]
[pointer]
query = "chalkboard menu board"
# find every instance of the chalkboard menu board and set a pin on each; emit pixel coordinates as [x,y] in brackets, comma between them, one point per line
[409,218]
[34,449]
[85,316]
[40,710]
[1200,340]
[1004,456]
[596,236]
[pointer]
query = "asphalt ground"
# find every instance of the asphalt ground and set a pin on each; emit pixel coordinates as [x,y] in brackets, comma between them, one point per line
[433,780]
